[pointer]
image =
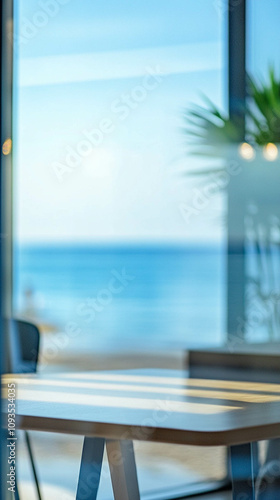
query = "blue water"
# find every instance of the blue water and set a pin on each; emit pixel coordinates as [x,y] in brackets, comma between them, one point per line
[168,297]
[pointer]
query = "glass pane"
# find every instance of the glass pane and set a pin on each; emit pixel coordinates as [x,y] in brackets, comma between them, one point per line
[117,245]
[100,178]
[262,50]
[262,215]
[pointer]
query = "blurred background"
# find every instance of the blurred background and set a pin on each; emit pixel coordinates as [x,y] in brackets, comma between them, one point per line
[122,224]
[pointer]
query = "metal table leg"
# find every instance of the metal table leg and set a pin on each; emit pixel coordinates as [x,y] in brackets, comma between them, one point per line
[90,469]
[35,475]
[242,470]
[123,470]
[16,495]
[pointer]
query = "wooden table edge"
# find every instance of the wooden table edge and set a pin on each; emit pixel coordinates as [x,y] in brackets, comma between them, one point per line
[225,437]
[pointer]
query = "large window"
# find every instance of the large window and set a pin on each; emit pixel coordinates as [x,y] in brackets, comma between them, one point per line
[100,173]
[107,260]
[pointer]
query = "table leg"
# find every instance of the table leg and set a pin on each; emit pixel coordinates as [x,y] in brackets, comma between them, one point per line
[123,470]
[30,453]
[16,491]
[242,471]
[90,470]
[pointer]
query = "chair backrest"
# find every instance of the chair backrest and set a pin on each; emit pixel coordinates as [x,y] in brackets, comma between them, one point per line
[248,366]
[23,346]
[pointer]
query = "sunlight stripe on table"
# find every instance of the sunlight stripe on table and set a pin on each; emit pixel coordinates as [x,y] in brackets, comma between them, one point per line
[245,397]
[130,378]
[101,401]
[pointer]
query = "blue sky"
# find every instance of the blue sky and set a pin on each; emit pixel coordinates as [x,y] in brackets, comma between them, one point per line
[84,57]
[89,25]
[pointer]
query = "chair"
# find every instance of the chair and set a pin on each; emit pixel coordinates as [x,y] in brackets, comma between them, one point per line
[23,342]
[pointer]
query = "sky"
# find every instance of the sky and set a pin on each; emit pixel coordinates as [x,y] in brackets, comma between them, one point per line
[100,88]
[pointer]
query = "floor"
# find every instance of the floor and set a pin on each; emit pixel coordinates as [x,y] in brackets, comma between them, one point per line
[55,493]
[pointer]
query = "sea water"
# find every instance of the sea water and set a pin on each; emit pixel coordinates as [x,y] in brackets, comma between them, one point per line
[124,296]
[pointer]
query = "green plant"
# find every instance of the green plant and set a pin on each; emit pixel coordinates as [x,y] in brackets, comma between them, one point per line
[210,130]
[264,110]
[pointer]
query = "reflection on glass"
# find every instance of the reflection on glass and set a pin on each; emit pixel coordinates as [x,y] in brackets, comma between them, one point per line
[262,218]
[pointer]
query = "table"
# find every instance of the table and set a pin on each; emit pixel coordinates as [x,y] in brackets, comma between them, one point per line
[113,409]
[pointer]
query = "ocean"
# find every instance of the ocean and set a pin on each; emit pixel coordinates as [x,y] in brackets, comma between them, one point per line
[124,297]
